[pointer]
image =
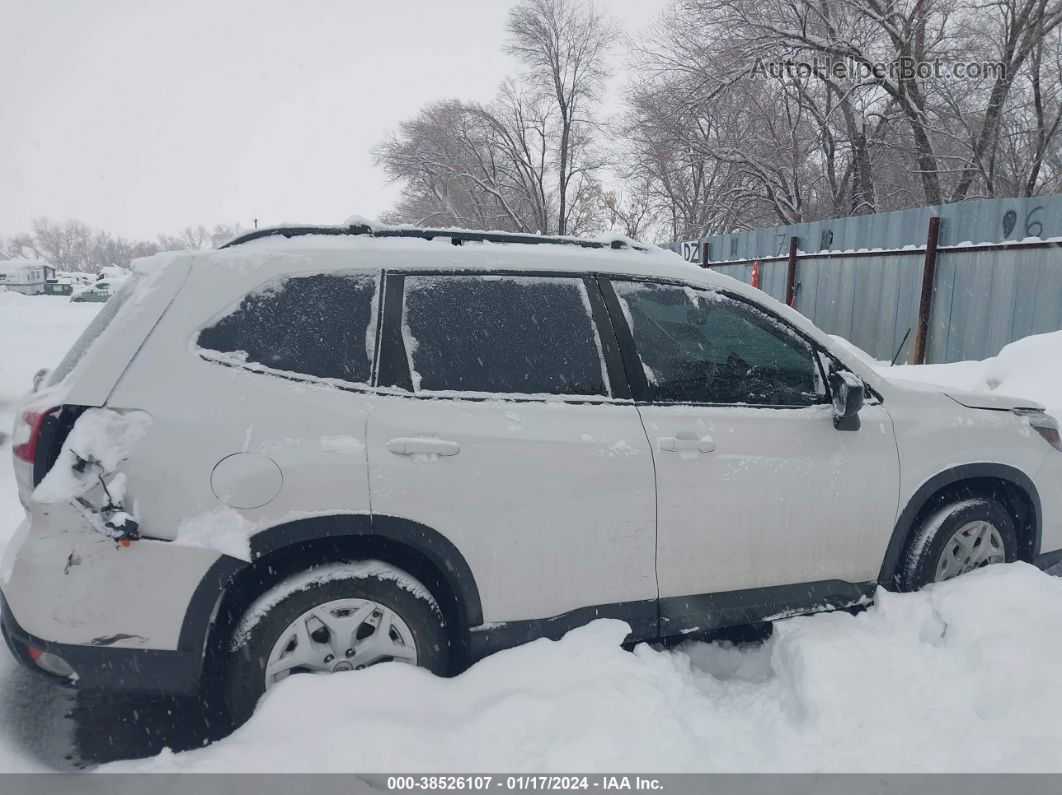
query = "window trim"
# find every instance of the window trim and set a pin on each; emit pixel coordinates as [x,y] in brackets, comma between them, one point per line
[635,373]
[395,377]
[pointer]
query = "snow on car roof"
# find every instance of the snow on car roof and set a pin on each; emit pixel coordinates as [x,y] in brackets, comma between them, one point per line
[359,226]
[405,247]
[13,265]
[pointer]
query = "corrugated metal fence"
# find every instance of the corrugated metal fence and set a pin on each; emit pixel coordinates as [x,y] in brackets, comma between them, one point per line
[992,273]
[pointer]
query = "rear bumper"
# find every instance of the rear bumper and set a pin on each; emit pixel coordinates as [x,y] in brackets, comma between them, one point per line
[67,584]
[148,671]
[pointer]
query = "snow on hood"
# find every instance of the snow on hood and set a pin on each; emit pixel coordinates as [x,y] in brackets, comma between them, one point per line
[959,677]
[1026,373]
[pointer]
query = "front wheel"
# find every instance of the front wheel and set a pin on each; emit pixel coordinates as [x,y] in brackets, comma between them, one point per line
[962,536]
[342,617]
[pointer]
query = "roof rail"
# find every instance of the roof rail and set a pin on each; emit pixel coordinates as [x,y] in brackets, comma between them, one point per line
[456,236]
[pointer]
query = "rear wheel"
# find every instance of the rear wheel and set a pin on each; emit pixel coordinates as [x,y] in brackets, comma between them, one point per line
[343,617]
[962,536]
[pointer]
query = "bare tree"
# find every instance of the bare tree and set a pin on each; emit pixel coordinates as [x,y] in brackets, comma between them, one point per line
[66,244]
[1014,33]
[564,45]
[73,246]
[527,161]
[744,113]
[191,238]
[634,211]
[18,246]
[466,164]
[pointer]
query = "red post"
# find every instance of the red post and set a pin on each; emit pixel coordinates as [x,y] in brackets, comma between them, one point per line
[790,276]
[756,273]
[925,301]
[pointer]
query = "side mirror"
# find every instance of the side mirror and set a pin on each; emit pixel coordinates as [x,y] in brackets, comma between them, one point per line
[39,376]
[848,391]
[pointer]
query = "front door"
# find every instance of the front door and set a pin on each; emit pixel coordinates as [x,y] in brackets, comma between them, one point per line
[756,488]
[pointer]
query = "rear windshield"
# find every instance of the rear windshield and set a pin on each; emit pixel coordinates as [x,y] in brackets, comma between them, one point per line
[94,329]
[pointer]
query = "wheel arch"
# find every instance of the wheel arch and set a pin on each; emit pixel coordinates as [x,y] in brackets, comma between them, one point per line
[1009,485]
[230,585]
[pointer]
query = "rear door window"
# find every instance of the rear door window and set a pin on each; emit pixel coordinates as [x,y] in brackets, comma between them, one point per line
[319,325]
[502,335]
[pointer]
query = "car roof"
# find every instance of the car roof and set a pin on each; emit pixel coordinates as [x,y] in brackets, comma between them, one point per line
[358,227]
[411,248]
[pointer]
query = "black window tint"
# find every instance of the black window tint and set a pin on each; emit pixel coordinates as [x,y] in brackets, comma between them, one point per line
[704,347]
[501,334]
[313,325]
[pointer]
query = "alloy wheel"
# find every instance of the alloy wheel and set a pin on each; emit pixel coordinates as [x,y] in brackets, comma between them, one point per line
[972,546]
[340,635]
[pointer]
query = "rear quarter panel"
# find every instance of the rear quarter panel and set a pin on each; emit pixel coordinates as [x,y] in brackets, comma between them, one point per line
[204,412]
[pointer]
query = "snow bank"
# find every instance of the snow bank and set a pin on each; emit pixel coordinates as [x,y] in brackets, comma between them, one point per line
[12,298]
[960,677]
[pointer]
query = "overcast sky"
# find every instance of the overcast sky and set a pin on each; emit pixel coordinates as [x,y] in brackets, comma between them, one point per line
[145,117]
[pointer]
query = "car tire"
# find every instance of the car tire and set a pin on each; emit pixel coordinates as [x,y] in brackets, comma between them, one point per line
[963,535]
[341,593]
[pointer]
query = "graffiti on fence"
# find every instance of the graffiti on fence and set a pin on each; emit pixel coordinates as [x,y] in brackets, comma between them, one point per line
[691,251]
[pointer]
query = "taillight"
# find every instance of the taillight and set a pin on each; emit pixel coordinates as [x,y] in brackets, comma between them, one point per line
[1044,424]
[50,663]
[27,433]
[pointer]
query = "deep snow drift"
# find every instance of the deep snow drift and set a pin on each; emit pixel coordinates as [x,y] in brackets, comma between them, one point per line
[961,677]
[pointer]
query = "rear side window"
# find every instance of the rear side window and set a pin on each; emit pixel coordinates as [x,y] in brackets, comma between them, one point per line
[95,328]
[321,325]
[704,347]
[502,334]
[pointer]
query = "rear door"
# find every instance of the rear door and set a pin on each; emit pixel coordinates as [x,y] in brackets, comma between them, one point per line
[759,496]
[510,431]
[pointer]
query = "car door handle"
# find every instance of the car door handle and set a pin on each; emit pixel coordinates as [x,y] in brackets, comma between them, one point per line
[411,445]
[675,444]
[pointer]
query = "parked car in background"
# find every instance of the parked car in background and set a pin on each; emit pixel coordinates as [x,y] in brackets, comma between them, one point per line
[107,284]
[97,293]
[319,449]
[58,287]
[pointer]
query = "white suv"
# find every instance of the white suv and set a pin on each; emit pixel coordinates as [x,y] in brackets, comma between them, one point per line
[321,448]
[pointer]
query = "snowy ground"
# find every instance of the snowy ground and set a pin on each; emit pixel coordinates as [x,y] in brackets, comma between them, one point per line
[961,677]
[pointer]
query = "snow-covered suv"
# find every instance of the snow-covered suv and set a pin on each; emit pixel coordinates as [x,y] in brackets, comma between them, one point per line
[320,448]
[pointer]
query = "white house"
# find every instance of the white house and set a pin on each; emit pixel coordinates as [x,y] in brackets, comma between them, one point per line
[25,276]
